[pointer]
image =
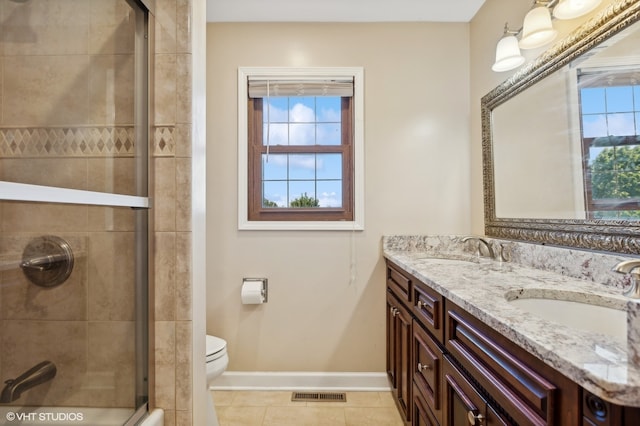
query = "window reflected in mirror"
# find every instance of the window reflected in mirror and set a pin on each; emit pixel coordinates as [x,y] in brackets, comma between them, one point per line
[610,117]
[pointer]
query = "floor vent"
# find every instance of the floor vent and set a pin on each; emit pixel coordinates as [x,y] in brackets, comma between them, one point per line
[319,396]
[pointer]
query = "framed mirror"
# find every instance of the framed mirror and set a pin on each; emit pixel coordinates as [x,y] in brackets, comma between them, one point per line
[561,141]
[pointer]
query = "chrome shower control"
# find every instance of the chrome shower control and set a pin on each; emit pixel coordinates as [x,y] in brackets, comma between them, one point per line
[47,261]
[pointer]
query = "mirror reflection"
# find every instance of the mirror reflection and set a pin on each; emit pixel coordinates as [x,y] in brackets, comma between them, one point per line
[568,147]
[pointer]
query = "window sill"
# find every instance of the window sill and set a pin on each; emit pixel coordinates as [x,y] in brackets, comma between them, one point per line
[300,226]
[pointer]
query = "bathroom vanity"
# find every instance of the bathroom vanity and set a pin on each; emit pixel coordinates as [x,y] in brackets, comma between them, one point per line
[460,352]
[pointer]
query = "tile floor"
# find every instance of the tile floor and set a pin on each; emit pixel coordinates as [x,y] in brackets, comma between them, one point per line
[267,408]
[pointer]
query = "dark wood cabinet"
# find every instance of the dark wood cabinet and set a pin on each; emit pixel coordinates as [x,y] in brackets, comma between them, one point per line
[447,368]
[399,338]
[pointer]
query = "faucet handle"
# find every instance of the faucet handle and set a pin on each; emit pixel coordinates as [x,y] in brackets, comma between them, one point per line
[631,267]
[481,242]
[504,252]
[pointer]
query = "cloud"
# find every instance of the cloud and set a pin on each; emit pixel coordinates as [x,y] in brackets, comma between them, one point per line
[329,199]
[301,113]
[608,125]
[298,125]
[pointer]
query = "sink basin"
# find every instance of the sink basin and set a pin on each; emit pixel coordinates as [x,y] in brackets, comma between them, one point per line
[584,315]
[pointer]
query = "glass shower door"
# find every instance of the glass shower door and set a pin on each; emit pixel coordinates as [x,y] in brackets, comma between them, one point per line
[73,211]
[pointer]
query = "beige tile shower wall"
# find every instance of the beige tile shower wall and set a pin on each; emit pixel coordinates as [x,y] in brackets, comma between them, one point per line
[82,322]
[326,289]
[172,211]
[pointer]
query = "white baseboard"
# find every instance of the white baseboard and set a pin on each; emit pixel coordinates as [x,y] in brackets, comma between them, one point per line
[265,380]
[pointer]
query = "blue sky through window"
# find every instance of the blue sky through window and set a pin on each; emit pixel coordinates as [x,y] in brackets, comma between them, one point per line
[610,111]
[302,121]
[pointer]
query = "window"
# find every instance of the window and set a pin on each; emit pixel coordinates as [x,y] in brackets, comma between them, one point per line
[300,148]
[610,119]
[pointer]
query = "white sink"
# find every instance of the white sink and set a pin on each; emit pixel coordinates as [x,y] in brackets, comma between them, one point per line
[582,315]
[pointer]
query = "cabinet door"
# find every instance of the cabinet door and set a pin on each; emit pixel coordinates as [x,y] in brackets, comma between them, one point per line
[400,335]
[463,405]
[391,342]
[427,369]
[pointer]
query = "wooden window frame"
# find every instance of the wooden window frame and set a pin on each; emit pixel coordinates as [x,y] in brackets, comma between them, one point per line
[598,205]
[257,148]
[346,218]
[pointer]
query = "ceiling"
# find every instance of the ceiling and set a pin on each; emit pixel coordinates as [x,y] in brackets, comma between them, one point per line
[342,10]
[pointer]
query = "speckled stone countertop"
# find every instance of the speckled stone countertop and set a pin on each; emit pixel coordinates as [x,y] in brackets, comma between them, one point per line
[606,365]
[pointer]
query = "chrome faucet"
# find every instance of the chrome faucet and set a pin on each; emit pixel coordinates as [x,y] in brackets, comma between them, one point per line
[631,267]
[35,376]
[481,242]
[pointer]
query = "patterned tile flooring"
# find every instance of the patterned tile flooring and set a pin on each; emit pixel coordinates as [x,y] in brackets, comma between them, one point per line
[275,408]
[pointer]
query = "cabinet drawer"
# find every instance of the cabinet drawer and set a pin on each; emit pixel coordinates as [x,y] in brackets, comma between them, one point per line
[428,309]
[422,415]
[427,369]
[399,283]
[465,406]
[524,395]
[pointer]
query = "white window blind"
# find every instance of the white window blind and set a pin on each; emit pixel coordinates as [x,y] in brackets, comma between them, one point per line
[262,88]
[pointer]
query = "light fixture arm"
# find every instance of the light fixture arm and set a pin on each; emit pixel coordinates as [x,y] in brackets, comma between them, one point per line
[507,31]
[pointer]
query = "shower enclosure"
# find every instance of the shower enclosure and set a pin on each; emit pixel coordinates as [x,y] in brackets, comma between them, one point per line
[74,205]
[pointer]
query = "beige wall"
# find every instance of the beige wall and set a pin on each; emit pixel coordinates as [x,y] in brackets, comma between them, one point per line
[485,31]
[326,299]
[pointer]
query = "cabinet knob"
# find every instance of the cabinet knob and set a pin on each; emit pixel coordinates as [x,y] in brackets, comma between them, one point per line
[474,419]
[395,311]
[423,367]
[420,304]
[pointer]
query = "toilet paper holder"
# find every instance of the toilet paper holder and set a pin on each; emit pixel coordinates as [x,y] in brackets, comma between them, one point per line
[265,286]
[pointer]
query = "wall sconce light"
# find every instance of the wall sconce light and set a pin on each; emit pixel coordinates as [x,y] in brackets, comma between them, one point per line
[508,54]
[537,29]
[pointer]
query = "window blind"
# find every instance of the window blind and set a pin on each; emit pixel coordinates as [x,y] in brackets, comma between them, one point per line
[608,78]
[262,88]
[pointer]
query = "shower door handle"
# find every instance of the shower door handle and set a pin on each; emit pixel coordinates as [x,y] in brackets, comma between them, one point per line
[42,263]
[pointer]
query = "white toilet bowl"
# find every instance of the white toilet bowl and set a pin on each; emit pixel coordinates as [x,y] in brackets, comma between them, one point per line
[217,361]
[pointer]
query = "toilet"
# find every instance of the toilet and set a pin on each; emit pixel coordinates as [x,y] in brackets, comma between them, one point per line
[217,361]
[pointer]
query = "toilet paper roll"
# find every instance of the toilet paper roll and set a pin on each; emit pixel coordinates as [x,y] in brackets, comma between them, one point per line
[251,293]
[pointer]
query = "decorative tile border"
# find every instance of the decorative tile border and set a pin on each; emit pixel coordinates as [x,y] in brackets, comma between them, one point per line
[164,141]
[98,141]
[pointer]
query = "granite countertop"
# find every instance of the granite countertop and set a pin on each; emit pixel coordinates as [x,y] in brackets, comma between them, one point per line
[605,365]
